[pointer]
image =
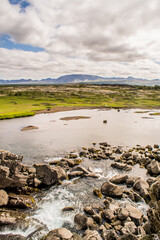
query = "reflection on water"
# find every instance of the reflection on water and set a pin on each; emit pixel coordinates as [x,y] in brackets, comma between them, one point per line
[55,138]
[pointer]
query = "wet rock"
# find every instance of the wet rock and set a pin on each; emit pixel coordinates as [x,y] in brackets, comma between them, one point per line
[11,237]
[49,175]
[118,150]
[83,222]
[149,147]
[111,190]
[21,201]
[147,227]
[119,179]
[36,182]
[129,228]
[126,155]
[89,210]
[75,174]
[108,214]
[154,168]
[142,186]
[121,166]
[122,213]
[156,146]
[97,192]
[105,144]
[97,218]
[80,169]
[130,181]
[83,154]
[134,213]
[6,219]
[3,198]
[68,209]
[30,127]
[6,155]
[60,233]
[92,235]
[19,180]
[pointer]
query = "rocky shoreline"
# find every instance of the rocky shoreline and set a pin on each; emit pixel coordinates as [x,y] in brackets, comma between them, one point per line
[110,221]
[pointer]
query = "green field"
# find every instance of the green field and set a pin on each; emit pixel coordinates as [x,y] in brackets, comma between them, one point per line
[20,101]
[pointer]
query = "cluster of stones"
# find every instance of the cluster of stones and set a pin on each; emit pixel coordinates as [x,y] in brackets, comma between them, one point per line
[113,220]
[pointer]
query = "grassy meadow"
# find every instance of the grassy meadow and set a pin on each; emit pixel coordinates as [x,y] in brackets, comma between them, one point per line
[21,101]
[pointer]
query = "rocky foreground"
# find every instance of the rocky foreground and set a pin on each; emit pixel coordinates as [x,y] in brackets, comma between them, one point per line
[112,221]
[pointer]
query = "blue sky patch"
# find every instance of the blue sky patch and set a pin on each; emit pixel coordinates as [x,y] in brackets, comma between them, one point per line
[6,42]
[23,3]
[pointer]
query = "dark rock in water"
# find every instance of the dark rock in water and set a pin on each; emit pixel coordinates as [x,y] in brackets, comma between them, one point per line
[60,233]
[154,168]
[68,209]
[121,166]
[30,127]
[49,175]
[97,192]
[156,146]
[75,174]
[119,179]
[3,198]
[80,169]
[104,121]
[11,237]
[111,190]
[105,144]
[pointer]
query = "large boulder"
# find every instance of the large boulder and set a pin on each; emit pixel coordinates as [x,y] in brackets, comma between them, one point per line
[129,228]
[60,233]
[3,198]
[119,179]
[83,222]
[49,175]
[21,201]
[135,214]
[142,186]
[153,168]
[121,166]
[111,190]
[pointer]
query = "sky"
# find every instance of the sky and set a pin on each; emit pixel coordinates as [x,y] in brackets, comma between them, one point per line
[50,38]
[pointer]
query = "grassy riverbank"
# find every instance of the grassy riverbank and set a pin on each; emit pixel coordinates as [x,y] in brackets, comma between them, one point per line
[21,101]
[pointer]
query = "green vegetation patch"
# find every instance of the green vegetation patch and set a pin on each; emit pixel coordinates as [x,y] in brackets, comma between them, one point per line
[21,101]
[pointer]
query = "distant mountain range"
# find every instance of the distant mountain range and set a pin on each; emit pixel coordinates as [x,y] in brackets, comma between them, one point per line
[82,78]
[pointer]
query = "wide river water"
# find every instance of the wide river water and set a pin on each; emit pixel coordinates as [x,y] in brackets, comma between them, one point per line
[55,138]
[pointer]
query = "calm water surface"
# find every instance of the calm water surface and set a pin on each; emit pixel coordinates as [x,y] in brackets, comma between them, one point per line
[56,137]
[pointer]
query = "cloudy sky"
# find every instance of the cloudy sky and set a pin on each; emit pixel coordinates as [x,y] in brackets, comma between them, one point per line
[50,38]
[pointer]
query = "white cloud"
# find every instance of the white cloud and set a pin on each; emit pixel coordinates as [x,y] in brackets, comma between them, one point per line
[102,37]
